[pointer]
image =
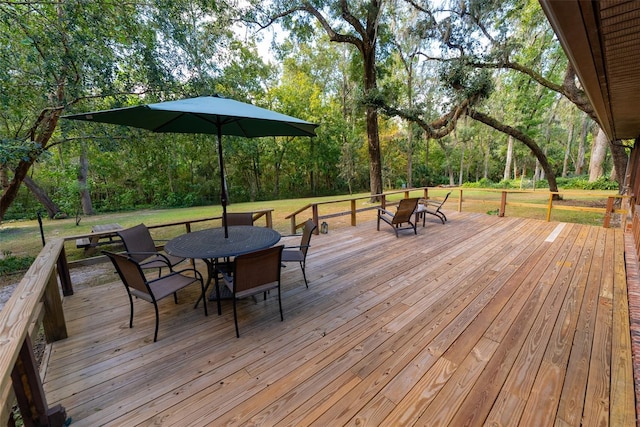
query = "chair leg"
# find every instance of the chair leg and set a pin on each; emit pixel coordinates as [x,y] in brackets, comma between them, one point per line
[155,335]
[175,297]
[235,317]
[217,284]
[280,303]
[204,298]
[304,274]
[131,312]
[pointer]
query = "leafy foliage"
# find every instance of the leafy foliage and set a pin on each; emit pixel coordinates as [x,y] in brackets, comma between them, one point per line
[10,263]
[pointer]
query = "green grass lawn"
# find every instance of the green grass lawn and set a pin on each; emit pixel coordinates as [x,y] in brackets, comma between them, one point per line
[22,238]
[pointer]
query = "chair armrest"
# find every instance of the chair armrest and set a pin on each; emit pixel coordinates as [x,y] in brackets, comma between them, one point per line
[297,247]
[146,253]
[434,202]
[384,211]
[158,254]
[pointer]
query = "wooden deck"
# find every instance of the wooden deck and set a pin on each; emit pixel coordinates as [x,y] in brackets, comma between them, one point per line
[484,320]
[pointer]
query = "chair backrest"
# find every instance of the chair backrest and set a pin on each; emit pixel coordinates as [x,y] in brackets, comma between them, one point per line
[257,268]
[444,200]
[405,210]
[309,227]
[138,240]
[130,273]
[239,218]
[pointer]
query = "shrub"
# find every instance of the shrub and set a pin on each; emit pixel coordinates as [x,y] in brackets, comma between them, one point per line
[582,183]
[12,264]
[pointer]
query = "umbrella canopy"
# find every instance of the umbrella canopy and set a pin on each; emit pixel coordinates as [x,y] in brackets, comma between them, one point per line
[208,115]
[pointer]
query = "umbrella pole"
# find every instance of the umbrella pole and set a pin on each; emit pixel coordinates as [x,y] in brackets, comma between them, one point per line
[223,182]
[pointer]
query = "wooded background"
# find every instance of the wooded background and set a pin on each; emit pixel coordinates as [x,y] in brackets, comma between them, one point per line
[406,93]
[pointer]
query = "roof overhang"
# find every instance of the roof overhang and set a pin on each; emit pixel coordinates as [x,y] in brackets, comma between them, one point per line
[602,41]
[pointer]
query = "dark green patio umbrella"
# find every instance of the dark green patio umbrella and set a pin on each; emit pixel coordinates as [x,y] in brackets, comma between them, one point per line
[208,115]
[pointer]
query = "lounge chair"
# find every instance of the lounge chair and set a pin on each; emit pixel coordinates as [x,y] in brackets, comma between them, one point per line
[432,207]
[299,253]
[253,273]
[402,219]
[137,284]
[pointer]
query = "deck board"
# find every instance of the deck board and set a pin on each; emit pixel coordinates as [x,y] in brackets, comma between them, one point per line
[482,320]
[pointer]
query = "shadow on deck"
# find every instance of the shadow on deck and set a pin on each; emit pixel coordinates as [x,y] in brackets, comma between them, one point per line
[482,320]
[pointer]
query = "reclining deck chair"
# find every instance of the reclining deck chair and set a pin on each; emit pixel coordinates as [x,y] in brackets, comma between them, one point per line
[401,220]
[140,246]
[136,283]
[432,207]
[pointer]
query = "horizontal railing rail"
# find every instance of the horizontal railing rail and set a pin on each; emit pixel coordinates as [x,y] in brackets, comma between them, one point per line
[295,225]
[36,301]
[65,266]
[458,195]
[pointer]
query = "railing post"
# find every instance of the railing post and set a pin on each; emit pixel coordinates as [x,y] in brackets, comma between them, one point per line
[406,194]
[63,273]
[30,393]
[188,227]
[426,193]
[549,206]
[608,212]
[503,204]
[460,200]
[269,219]
[383,201]
[293,224]
[316,220]
[353,212]
[55,327]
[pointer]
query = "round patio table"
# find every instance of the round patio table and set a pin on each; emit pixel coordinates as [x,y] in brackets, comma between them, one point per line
[209,245]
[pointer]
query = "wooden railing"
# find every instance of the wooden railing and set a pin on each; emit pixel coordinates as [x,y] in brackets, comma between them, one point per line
[64,265]
[458,192]
[36,301]
[353,211]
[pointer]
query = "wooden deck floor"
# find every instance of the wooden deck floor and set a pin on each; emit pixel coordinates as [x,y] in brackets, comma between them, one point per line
[484,320]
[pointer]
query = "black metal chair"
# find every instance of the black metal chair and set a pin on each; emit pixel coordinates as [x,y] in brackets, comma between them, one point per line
[432,207]
[136,283]
[140,246]
[299,253]
[253,273]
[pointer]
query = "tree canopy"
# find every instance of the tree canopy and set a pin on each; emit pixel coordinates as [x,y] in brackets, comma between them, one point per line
[383,79]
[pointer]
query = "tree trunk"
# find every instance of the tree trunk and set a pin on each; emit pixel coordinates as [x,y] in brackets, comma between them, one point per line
[41,133]
[525,139]
[426,150]
[598,154]
[620,160]
[460,177]
[83,172]
[52,209]
[487,159]
[567,153]
[410,156]
[507,165]
[4,178]
[581,143]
